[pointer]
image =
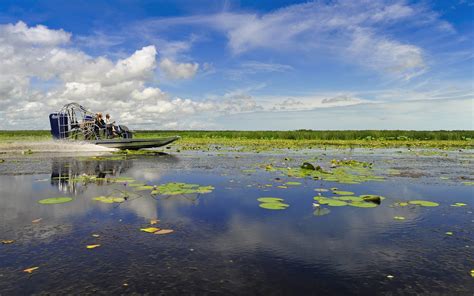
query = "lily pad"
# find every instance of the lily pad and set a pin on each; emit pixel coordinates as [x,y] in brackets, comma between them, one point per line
[321,190]
[164,231]
[424,203]
[362,204]
[181,188]
[55,200]
[399,218]
[350,198]
[270,199]
[339,192]
[291,183]
[31,269]
[459,204]
[273,205]
[332,202]
[143,188]
[109,199]
[150,229]
[92,246]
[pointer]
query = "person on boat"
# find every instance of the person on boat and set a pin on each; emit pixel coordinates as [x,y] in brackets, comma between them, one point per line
[110,126]
[99,124]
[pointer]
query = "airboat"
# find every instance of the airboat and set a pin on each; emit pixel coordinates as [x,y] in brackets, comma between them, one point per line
[74,122]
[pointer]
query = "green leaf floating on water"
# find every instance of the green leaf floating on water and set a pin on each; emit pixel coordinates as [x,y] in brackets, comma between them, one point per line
[362,204]
[181,188]
[109,199]
[321,190]
[55,200]
[459,204]
[143,188]
[349,198]
[270,199]
[332,202]
[291,183]
[273,205]
[424,203]
[340,192]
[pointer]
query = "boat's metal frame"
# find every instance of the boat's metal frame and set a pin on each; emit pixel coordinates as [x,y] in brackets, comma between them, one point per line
[73,121]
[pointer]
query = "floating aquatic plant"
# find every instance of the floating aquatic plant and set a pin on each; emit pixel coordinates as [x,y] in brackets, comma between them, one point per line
[340,192]
[459,204]
[109,199]
[270,199]
[291,183]
[321,190]
[181,188]
[55,200]
[424,203]
[272,203]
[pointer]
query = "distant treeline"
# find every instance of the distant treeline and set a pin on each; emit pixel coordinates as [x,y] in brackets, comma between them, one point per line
[322,135]
[395,135]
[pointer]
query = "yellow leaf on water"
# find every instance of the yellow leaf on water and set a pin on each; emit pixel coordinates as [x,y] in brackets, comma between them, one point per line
[399,218]
[7,241]
[449,233]
[95,235]
[31,269]
[154,221]
[92,246]
[472,272]
[164,231]
[37,220]
[150,229]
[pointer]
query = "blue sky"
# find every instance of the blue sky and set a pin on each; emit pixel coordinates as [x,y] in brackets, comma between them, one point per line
[241,64]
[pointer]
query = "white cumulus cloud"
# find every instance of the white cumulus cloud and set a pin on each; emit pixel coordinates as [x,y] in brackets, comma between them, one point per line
[175,70]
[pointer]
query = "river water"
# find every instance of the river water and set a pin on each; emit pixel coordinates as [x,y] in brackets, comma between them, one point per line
[223,241]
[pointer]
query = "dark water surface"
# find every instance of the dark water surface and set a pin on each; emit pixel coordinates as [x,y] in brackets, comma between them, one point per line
[223,242]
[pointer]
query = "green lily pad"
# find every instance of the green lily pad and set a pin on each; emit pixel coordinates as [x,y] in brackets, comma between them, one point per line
[181,188]
[273,205]
[459,204]
[270,199]
[321,190]
[362,204]
[109,199]
[332,202]
[349,198]
[143,188]
[424,203]
[291,183]
[55,200]
[399,218]
[401,204]
[340,192]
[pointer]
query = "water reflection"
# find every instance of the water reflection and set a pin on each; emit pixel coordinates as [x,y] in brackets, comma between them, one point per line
[65,172]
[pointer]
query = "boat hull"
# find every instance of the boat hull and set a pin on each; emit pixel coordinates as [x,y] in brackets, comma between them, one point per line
[134,144]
